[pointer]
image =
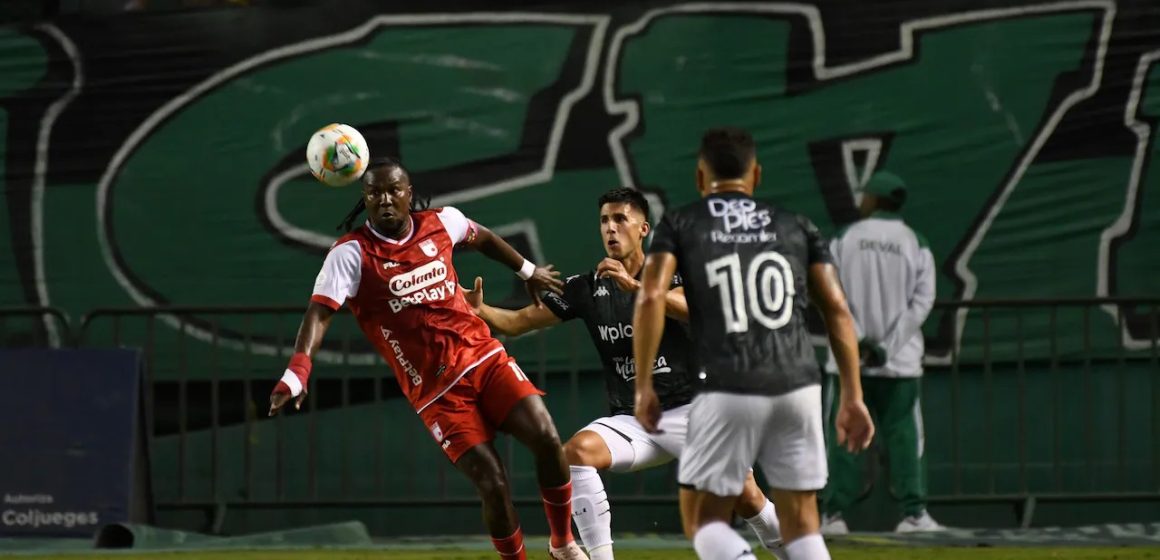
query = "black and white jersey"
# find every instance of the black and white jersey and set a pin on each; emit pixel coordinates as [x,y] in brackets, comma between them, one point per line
[607,312]
[745,264]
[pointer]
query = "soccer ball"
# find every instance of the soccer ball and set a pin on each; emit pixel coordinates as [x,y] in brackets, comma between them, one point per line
[337,154]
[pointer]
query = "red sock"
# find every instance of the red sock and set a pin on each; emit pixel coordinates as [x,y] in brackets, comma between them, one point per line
[558,506]
[511,548]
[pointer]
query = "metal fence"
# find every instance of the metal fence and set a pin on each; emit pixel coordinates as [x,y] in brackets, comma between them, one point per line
[1006,425]
[1044,408]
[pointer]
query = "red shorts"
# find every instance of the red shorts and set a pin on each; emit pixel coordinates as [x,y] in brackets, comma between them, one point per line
[471,410]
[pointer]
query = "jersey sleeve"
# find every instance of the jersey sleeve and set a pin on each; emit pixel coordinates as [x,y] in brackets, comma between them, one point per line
[665,237]
[461,229]
[340,275]
[570,304]
[816,246]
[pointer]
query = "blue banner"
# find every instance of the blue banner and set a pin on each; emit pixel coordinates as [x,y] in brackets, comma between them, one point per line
[69,440]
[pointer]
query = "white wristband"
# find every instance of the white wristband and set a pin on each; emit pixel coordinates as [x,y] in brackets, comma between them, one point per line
[527,270]
[291,381]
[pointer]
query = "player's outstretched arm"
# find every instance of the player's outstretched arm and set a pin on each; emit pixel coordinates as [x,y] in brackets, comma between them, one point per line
[514,322]
[854,427]
[509,322]
[648,324]
[537,278]
[293,383]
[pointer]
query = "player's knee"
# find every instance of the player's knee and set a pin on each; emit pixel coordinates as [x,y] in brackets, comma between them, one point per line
[492,488]
[750,502]
[585,449]
[574,452]
[548,442]
[544,438]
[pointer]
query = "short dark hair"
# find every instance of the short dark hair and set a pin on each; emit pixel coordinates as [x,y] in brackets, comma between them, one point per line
[418,201]
[622,195]
[728,151]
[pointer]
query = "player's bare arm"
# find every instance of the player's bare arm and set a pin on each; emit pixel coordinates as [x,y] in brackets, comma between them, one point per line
[675,304]
[315,322]
[536,278]
[854,427]
[648,324]
[509,322]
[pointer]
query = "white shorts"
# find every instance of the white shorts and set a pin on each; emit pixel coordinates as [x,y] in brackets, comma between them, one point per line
[634,449]
[728,433]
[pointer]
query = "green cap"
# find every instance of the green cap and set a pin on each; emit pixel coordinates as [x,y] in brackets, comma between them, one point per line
[887,185]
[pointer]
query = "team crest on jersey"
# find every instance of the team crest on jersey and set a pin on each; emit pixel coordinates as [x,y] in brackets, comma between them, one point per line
[429,248]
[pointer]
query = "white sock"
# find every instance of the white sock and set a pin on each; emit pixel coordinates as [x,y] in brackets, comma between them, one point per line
[591,513]
[718,541]
[765,525]
[809,547]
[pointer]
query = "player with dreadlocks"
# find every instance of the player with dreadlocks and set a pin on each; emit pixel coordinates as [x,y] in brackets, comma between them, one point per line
[396,275]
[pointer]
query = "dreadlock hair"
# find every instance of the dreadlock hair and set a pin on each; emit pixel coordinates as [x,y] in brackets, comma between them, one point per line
[418,201]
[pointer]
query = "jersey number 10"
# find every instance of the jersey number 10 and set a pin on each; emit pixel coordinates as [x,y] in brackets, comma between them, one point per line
[767,286]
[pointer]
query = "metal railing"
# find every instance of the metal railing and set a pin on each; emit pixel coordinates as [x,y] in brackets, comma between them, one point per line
[350,379]
[1021,374]
[33,327]
[1025,496]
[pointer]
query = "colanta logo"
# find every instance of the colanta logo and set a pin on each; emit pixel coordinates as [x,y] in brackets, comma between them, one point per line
[422,277]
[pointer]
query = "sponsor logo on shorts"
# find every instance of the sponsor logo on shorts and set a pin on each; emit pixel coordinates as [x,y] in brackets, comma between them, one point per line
[438,433]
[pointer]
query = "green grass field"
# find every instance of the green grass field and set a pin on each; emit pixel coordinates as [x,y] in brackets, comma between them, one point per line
[839,553]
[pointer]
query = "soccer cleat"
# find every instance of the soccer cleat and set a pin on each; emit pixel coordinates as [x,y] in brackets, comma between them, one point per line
[834,525]
[918,524]
[570,551]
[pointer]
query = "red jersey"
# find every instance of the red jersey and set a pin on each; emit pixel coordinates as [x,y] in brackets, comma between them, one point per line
[405,296]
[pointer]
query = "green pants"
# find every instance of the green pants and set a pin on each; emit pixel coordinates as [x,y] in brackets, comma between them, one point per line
[894,405]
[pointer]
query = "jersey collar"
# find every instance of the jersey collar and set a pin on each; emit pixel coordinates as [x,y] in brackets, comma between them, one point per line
[885,215]
[388,239]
